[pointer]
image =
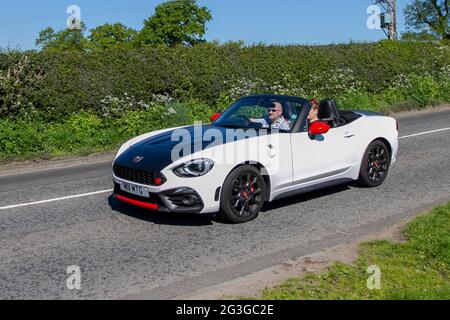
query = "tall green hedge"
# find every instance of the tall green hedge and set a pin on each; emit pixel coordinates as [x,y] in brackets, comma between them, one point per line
[57,84]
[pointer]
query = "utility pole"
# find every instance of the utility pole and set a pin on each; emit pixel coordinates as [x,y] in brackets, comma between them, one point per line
[389,17]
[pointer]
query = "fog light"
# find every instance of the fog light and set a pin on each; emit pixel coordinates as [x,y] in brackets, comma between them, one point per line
[189,200]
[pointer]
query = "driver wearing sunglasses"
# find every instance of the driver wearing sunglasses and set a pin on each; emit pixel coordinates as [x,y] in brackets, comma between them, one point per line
[275,118]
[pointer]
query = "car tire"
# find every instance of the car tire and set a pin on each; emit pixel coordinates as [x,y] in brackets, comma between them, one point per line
[375,165]
[243,195]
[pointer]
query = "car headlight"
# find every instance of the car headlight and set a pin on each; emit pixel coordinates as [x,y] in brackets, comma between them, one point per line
[194,168]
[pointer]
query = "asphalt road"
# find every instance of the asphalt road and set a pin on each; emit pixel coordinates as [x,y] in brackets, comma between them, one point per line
[125,252]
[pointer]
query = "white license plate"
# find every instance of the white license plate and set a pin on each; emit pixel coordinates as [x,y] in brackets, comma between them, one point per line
[134,189]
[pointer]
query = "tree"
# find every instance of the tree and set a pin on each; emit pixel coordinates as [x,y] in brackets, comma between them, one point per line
[67,39]
[109,35]
[429,16]
[175,22]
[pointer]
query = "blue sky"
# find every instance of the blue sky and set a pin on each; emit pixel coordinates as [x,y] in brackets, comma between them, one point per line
[253,21]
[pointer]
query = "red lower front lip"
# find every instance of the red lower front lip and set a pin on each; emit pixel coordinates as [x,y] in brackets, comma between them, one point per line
[141,204]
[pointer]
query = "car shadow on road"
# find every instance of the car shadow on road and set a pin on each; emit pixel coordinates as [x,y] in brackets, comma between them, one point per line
[193,219]
[176,219]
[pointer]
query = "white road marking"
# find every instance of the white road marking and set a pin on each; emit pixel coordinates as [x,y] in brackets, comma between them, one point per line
[110,190]
[56,199]
[423,133]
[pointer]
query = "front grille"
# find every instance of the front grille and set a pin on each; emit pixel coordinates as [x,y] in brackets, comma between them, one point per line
[138,176]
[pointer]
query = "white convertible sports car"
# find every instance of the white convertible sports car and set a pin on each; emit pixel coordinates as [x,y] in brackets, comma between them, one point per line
[262,148]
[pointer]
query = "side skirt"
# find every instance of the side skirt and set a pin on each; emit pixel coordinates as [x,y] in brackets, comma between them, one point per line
[315,187]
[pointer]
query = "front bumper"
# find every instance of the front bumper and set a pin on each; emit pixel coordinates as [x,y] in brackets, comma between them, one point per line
[395,147]
[185,200]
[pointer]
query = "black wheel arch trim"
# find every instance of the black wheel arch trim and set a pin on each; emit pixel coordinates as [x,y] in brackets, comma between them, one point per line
[262,170]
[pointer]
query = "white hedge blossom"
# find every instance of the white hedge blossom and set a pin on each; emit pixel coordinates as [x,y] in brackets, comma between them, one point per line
[111,106]
[162,98]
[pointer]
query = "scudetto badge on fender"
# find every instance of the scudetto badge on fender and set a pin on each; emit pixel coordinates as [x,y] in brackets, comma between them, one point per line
[138,159]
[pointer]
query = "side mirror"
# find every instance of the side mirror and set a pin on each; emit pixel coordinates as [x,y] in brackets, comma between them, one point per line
[318,127]
[215,116]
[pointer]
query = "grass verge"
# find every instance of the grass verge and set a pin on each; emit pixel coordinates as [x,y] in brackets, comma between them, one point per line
[416,269]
